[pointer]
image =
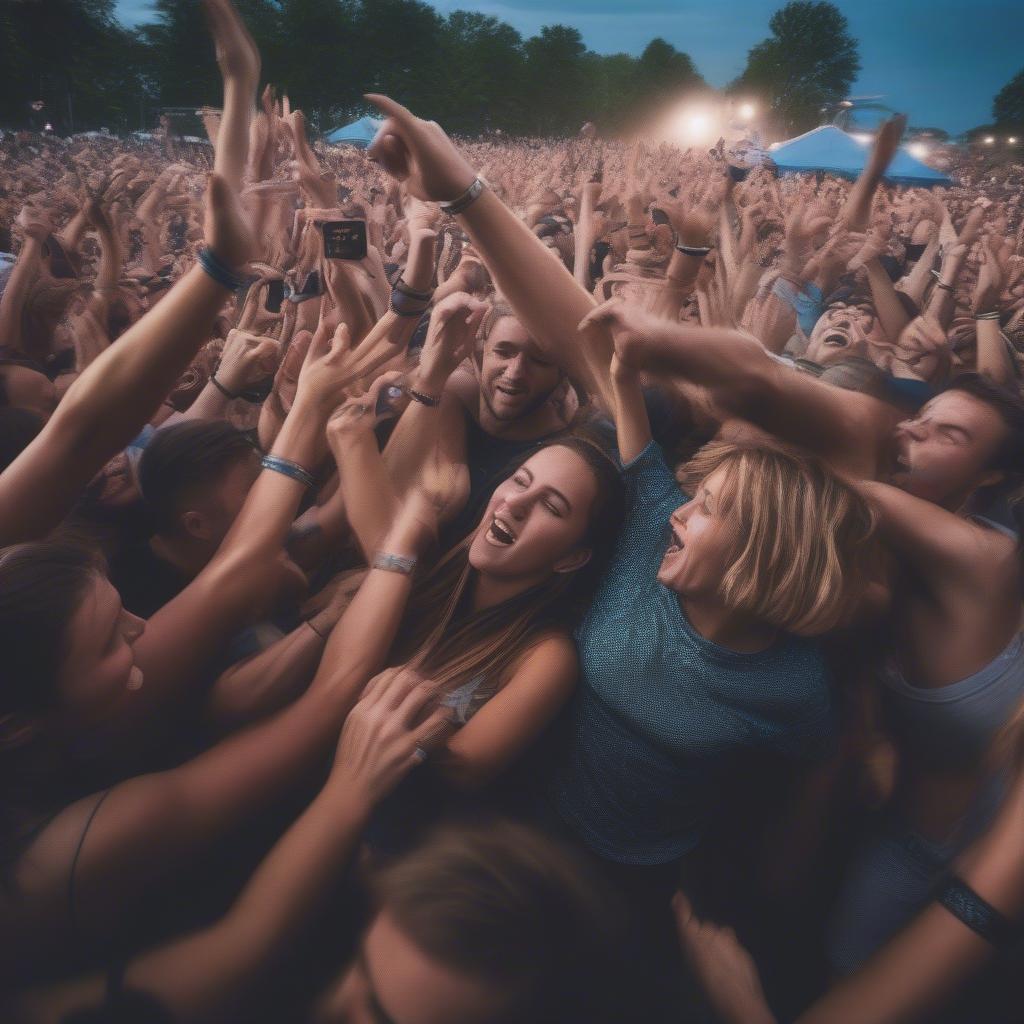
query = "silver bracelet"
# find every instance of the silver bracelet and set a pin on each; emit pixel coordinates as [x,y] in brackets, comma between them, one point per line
[994,315]
[470,195]
[394,563]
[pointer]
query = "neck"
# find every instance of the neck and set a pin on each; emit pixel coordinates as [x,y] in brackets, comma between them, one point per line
[186,555]
[734,630]
[488,591]
[532,426]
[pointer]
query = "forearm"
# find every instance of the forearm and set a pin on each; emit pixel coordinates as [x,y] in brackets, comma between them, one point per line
[266,682]
[916,282]
[110,260]
[370,498]
[73,232]
[632,425]
[214,975]
[891,314]
[680,279]
[12,304]
[924,964]
[260,529]
[543,293]
[211,404]
[106,407]
[994,359]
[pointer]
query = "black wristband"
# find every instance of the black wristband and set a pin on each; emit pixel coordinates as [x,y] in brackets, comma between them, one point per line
[428,400]
[220,272]
[220,387]
[968,907]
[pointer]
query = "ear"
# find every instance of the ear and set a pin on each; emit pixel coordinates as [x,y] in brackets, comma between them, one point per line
[575,561]
[195,525]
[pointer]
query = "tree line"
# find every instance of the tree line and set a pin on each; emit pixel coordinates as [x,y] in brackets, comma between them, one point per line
[471,72]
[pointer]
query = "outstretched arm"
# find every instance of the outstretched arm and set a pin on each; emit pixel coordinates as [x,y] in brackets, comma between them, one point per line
[118,394]
[746,382]
[533,279]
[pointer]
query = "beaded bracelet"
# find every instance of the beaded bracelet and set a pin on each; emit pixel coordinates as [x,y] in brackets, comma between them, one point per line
[428,400]
[220,272]
[288,468]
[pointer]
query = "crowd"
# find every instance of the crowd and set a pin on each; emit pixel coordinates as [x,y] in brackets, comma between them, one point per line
[584,584]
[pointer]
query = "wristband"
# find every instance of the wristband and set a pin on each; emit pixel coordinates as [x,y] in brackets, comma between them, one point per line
[220,387]
[309,622]
[994,315]
[220,272]
[288,468]
[401,286]
[404,304]
[694,250]
[968,907]
[393,563]
[469,196]
[428,400]
[939,283]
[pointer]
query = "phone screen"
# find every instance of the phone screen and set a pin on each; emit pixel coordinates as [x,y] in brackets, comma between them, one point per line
[275,296]
[344,239]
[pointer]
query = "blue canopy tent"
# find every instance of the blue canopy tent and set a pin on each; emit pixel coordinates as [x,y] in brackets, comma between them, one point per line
[830,149]
[359,133]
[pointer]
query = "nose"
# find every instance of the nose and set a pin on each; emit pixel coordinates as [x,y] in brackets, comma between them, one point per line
[515,369]
[518,504]
[913,429]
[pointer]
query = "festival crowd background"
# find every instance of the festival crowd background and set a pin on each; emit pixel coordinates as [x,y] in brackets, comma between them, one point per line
[525,579]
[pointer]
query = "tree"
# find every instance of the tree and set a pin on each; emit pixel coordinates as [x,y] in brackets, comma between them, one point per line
[810,61]
[481,75]
[72,55]
[557,80]
[1008,106]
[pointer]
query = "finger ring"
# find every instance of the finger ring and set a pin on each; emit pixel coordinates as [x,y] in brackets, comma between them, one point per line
[420,755]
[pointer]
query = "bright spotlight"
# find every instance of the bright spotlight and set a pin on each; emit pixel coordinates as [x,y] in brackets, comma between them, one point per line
[990,140]
[747,111]
[918,149]
[1012,140]
[47,127]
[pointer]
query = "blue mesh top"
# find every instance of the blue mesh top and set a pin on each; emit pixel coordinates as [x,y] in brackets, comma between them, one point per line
[658,705]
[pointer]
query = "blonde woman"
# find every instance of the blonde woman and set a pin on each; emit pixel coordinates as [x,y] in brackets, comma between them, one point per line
[699,642]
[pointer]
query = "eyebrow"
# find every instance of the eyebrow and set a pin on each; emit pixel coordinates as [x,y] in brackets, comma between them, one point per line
[552,490]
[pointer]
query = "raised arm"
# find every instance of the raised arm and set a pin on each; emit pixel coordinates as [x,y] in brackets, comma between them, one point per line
[534,281]
[746,382]
[12,304]
[116,396]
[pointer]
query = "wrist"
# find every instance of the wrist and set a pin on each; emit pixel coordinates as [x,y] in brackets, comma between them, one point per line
[431,382]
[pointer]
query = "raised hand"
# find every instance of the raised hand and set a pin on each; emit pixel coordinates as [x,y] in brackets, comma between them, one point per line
[988,291]
[388,733]
[246,360]
[35,223]
[418,153]
[454,323]
[922,351]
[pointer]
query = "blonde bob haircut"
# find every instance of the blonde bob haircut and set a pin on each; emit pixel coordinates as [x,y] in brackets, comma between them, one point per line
[803,538]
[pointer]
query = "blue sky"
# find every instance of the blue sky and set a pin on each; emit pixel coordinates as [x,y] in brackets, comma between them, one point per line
[941,61]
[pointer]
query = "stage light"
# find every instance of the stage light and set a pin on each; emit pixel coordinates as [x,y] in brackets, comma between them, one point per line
[747,111]
[1012,140]
[47,127]
[989,140]
[918,149]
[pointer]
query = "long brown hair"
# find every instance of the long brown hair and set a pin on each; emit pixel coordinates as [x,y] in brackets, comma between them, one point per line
[442,637]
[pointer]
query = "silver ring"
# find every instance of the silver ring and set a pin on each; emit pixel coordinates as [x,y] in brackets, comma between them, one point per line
[420,755]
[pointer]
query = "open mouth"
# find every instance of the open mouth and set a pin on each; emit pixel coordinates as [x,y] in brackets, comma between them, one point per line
[675,544]
[836,341]
[510,390]
[500,532]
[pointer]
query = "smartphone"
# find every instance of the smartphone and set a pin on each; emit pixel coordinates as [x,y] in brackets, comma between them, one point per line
[274,296]
[344,239]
